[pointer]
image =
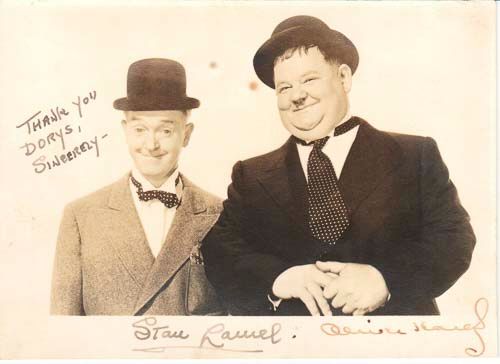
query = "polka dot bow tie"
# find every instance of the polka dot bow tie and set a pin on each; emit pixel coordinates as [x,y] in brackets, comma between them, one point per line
[328,215]
[168,199]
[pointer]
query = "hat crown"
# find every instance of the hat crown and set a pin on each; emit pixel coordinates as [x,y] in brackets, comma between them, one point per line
[303,30]
[156,84]
[156,76]
[299,21]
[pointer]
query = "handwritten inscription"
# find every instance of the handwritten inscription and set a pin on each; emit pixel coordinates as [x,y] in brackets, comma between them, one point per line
[480,311]
[243,339]
[216,337]
[37,122]
[42,163]
[147,329]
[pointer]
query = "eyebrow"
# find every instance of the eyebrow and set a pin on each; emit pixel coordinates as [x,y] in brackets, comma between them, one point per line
[280,83]
[309,73]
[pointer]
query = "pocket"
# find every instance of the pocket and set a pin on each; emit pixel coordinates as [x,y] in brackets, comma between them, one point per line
[201,298]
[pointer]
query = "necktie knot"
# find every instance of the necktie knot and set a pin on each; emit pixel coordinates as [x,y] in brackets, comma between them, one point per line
[167,198]
[320,143]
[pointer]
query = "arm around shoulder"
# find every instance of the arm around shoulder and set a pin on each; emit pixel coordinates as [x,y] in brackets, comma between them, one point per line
[241,273]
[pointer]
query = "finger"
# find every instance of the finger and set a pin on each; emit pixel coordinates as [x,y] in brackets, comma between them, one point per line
[331,290]
[322,279]
[348,308]
[317,293]
[334,267]
[309,301]
[339,300]
[332,275]
[359,312]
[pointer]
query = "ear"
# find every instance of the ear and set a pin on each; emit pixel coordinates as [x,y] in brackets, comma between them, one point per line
[188,129]
[345,75]
[124,124]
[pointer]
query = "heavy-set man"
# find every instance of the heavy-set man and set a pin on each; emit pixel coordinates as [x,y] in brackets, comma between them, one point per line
[343,218]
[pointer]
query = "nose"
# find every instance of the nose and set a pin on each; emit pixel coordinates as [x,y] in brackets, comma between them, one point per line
[151,141]
[298,96]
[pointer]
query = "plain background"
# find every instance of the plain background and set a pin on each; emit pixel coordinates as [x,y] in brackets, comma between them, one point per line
[425,68]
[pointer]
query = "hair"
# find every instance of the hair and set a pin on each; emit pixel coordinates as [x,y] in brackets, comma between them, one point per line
[327,52]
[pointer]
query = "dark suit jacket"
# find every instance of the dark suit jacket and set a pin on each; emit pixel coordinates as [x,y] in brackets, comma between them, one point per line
[405,219]
[104,266]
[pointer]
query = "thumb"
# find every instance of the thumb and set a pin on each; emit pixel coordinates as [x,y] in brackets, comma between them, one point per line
[334,267]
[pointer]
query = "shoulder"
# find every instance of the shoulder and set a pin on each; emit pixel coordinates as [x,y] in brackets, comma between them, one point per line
[212,202]
[408,143]
[253,167]
[422,147]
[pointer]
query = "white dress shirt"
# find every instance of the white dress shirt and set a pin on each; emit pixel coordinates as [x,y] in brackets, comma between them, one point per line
[336,148]
[155,217]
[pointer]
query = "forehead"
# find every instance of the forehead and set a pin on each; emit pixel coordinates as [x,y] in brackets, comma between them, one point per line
[301,62]
[156,116]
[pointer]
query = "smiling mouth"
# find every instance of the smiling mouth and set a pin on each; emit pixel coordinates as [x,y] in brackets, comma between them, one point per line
[153,156]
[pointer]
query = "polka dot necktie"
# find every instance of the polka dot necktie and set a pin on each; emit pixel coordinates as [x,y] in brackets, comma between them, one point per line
[328,215]
[167,198]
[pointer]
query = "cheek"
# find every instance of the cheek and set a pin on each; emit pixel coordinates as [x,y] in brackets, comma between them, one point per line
[320,90]
[134,143]
[171,145]
[283,102]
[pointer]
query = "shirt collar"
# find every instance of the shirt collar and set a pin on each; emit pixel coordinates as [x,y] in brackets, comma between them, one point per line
[347,116]
[168,186]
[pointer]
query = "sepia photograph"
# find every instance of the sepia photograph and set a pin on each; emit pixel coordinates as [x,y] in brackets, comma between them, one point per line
[248,179]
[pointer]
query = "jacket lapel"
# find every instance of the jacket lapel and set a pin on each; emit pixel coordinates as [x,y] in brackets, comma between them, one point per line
[372,156]
[126,234]
[285,182]
[190,224]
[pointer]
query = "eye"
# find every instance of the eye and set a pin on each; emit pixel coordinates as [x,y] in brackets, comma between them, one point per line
[309,79]
[166,131]
[139,129]
[283,89]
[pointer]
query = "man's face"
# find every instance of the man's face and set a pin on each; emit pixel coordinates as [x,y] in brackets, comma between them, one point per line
[155,140]
[311,93]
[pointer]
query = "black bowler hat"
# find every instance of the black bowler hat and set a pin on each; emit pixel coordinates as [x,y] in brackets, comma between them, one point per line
[156,84]
[302,30]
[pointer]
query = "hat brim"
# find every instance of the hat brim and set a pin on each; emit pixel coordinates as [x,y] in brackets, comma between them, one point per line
[186,103]
[337,42]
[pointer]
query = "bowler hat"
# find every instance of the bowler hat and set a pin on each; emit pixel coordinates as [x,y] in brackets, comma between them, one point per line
[156,84]
[298,31]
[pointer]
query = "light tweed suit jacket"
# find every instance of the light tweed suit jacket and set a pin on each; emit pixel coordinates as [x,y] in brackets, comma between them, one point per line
[104,266]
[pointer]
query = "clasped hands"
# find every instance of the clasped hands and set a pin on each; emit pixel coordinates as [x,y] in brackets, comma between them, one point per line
[356,288]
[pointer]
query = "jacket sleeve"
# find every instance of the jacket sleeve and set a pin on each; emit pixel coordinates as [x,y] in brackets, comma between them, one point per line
[427,266]
[66,295]
[241,273]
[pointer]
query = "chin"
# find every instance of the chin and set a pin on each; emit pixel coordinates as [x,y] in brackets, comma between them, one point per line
[310,135]
[307,125]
